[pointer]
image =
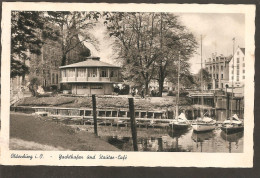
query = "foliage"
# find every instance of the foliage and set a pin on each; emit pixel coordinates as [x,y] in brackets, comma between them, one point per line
[24,39]
[33,86]
[206,77]
[149,45]
[72,27]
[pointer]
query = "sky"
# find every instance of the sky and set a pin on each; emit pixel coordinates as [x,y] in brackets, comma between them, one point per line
[217,32]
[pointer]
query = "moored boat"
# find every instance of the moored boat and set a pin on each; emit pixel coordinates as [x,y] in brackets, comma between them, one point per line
[204,124]
[180,123]
[232,125]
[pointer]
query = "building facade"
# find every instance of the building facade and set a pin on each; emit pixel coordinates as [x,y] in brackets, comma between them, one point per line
[237,72]
[90,77]
[218,68]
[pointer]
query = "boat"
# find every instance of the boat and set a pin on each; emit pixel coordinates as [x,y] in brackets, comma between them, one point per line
[232,125]
[203,123]
[180,123]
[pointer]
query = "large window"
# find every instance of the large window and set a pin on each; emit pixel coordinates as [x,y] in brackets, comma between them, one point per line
[103,73]
[71,73]
[221,76]
[81,73]
[92,72]
[113,73]
[64,73]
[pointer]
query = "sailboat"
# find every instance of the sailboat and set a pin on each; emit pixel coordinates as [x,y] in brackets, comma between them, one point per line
[232,124]
[203,124]
[180,122]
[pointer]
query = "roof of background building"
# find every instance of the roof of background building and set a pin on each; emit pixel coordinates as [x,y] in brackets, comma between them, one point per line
[243,50]
[90,62]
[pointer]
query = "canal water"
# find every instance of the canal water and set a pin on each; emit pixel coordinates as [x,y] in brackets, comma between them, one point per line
[163,140]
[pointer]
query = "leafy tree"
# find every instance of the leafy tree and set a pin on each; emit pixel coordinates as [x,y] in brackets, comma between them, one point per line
[71,26]
[149,44]
[206,77]
[24,38]
[34,83]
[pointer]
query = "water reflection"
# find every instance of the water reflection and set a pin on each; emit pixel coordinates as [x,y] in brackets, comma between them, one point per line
[181,141]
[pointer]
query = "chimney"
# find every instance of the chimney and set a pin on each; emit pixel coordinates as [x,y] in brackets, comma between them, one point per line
[95,58]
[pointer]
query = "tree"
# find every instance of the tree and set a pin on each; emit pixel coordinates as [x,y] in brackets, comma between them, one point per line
[136,44]
[24,39]
[176,43]
[70,27]
[206,78]
[149,45]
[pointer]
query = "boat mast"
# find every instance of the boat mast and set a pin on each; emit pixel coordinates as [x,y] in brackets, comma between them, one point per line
[232,76]
[178,94]
[201,86]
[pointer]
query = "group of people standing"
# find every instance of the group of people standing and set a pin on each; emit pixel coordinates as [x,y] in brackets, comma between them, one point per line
[135,91]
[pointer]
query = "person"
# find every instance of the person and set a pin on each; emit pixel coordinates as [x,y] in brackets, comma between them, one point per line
[142,93]
[133,92]
[136,91]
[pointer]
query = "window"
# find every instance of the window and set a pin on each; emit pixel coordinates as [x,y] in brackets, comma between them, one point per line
[57,78]
[243,64]
[237,77]
[232,77]
[244,71]
[221,68]
[222,86]
[237,60]
[222,77]
[232,72]
[243,77]
[238,53]
[71,73]
[217,76]
[237,67]
[63,73]
[81,72]
[53,79]
[92,72]
[103,73]
[96,86]
[237,72]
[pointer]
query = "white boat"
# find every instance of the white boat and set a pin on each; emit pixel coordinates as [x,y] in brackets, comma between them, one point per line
[232,124]
[204,124]
[180,123]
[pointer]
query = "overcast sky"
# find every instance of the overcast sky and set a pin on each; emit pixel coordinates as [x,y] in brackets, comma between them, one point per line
[218,30]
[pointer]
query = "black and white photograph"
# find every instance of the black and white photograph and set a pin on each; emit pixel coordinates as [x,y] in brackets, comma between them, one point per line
[128,81]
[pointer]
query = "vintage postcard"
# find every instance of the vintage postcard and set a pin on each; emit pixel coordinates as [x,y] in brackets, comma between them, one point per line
[127,84]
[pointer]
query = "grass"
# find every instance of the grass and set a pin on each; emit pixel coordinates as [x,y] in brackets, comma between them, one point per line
[103,102]
[36,131]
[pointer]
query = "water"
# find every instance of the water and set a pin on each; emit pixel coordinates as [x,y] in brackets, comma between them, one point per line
[167,140]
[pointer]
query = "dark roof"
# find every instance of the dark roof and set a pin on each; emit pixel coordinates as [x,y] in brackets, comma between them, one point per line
[90,63]
[228,59]
[243,50]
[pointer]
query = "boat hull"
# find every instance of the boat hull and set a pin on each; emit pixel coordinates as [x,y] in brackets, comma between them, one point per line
[203,127]
[230,130]
[177,126]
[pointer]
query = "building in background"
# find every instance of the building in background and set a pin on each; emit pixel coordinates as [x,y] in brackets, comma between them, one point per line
[218,68]
[90,77]
[237,73]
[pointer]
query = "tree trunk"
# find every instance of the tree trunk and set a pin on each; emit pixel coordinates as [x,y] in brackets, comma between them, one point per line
[63,60]
[146,88]
[161,87]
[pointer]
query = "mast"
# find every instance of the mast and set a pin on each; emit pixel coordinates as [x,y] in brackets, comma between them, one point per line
[178,94]
[232,76]
[202,102]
